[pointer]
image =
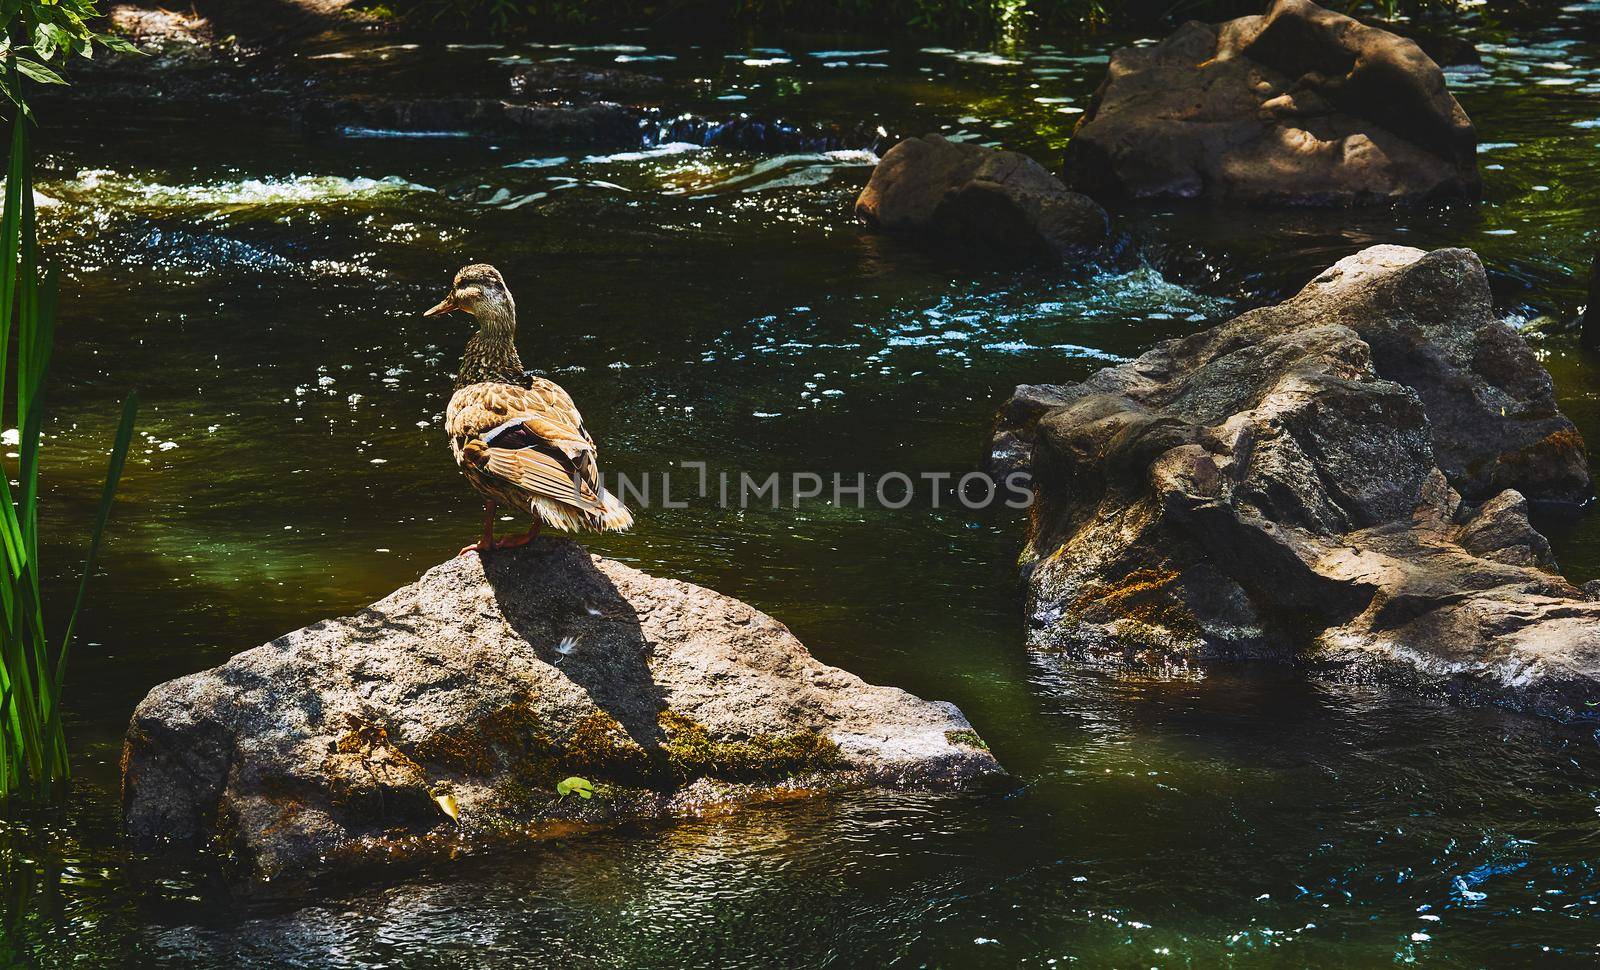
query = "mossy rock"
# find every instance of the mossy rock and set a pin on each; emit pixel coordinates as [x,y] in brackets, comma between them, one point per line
[443,717]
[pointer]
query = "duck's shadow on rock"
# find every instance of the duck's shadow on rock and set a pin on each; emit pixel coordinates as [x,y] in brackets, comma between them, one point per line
[553,596]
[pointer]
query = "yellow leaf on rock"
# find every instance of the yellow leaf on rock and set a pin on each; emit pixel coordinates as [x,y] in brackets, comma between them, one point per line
[447,805]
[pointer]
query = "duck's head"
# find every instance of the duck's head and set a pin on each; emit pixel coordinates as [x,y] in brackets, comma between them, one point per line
[479,290]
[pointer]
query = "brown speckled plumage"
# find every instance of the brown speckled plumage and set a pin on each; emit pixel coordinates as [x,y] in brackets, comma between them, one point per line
[519,439]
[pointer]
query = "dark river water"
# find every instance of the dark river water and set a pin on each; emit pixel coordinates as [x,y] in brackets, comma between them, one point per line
[262,289]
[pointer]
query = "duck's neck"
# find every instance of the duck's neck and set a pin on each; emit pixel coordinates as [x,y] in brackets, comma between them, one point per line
[492,352]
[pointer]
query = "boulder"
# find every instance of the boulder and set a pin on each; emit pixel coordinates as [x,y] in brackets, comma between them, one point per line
[998,202]
[480,687]
[1338,481]
[1299,106]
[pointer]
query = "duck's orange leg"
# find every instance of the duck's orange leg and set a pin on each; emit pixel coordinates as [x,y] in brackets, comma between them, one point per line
[488,541]
[525,538]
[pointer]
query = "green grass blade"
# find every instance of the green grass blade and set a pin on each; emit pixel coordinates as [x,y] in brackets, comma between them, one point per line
[10,246]
[119,458]
[6,771]
[11,233]
[32,329]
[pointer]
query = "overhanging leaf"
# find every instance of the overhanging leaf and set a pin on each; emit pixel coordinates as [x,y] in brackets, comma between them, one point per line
[113,42]
[35,71]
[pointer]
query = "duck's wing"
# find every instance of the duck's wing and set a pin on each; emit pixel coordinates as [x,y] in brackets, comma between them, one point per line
[531,438]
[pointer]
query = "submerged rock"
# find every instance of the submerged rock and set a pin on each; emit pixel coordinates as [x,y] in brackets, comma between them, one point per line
[593,124]
[996,202]
[1338,480]
[1299,106]
[766,136]
[566,81]
[485,683]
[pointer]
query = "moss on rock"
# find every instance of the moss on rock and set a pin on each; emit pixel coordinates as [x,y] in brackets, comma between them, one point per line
[692,753]
[370,779]
[507,734]
[598,746]
[968,739]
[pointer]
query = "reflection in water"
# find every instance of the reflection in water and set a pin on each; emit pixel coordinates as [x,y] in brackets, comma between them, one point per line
[30,891]
[263,290]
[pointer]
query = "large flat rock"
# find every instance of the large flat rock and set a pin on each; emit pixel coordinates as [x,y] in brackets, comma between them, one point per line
[485,683]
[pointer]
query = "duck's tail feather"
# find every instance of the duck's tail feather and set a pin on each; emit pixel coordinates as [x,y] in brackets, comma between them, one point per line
[611,516]
[614,516]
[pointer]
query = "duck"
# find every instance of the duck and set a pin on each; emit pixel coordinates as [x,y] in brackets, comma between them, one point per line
[516,436]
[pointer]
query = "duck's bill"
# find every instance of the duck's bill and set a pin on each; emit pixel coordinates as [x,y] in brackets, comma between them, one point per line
[443,306]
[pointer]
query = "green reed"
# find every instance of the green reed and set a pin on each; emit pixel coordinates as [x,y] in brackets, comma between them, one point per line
[33,665]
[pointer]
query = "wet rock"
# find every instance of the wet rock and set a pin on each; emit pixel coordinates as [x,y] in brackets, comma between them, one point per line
[995,202]
[1011,449]
[1428,322]
[573,121]
[767,136]
[548,80]
[1338,481]
[595,124]
[1300,106]
[481,686]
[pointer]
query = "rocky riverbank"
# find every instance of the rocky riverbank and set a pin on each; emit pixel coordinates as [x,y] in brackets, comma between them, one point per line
[316,66]
[443,717]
